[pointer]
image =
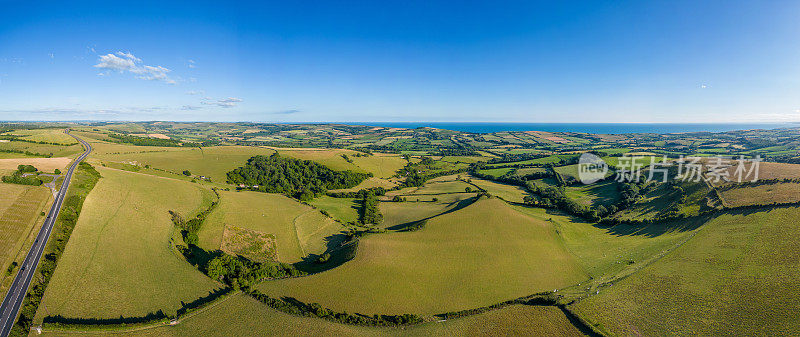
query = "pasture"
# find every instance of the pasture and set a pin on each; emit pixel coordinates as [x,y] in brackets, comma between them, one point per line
[342,209]
[596,194]
[740,272]
[299,230]
[762,194]
[506,192]
[20,208]
[45,135]
[43,164]
[120,249]
[399,213]
[42,149]
[213,162]
[443,267]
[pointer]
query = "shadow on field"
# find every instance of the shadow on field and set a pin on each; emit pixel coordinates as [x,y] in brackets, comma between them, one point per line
[341,248]
[656,229]
[458,205]
[153,316]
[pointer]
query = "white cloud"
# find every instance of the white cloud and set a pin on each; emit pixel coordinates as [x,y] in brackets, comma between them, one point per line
[52,56]
[191,107]
[195,92]
[703,86]
[191,64]
[126,62]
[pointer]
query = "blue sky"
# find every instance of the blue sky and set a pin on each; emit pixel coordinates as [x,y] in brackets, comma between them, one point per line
[528,61]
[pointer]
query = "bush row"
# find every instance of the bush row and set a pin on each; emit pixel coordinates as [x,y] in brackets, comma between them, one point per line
[295,307]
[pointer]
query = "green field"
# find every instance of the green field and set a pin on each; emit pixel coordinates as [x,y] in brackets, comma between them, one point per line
[443,267]
[497,172]
[213,162]
[299,230]
[505,191]
[119,261]
[45,135]
[400,213]
[342,209]
[600,193]
[738,273]
[42,149]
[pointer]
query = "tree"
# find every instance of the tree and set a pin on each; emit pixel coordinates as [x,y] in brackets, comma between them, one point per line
[57,171]
[467,189]
[397,198]
[187,173]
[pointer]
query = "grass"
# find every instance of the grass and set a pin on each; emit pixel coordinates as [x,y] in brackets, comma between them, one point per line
[399,213]
[46,135]
[43,149]
[659,198]
[444,267]
[380,165]
[762,194]
[506,192]
[370,183]
[606,253]
[601,193]
[497,172]
[20,208]
[119,260]
[342,209]
[241,315]
[740,272]
[213,162]
[299,230]
[254,245]
[43,164]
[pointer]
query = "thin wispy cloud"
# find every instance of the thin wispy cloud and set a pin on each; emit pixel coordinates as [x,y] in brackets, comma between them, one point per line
[191,107]
[127,62]
[225,102]
[191,64]
[286,112]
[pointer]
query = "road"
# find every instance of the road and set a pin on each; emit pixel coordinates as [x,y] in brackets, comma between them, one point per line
[16,294]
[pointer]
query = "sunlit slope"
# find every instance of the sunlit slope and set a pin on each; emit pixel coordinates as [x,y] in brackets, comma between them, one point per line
[480,255]
[738,273]
[119,261]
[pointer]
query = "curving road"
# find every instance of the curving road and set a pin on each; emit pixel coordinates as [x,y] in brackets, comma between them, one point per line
[13,301]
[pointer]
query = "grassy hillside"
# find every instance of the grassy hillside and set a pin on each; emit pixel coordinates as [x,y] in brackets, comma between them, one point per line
[119,261]
[738,273]
[299,230]
[487,243]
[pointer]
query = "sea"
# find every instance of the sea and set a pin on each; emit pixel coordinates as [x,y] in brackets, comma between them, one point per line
[597,128]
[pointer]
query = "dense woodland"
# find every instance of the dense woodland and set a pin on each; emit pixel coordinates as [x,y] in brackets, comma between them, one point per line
[301,179]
